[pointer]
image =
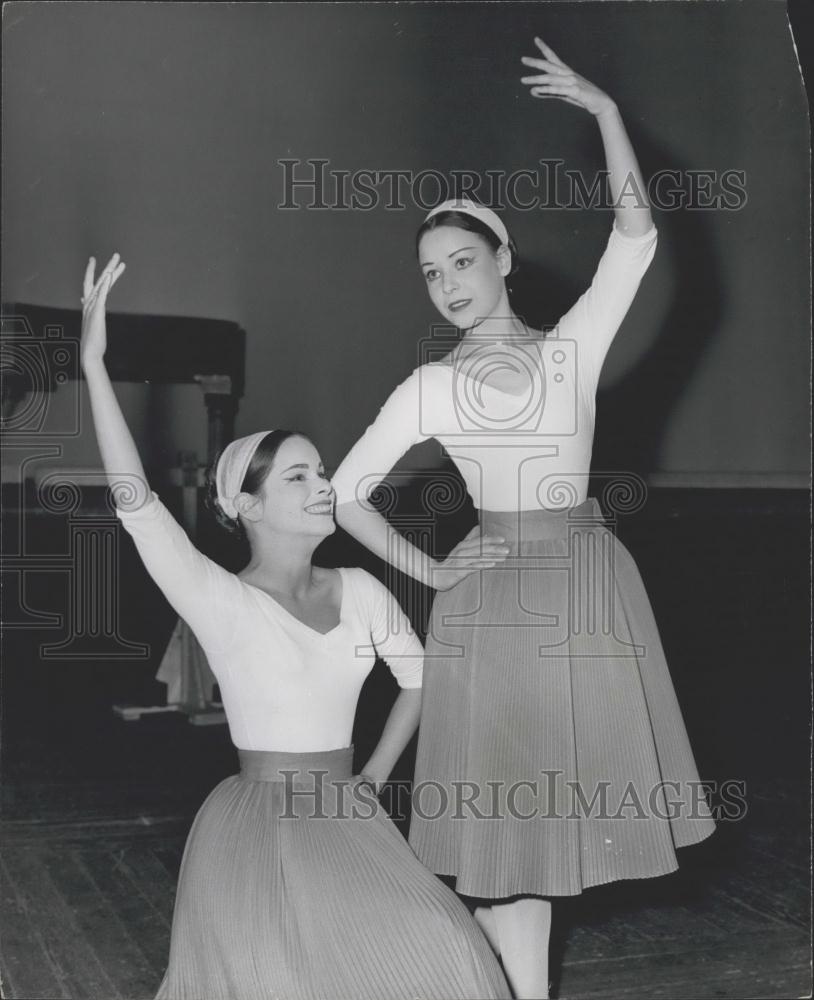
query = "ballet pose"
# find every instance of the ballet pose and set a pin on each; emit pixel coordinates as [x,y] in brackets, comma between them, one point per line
[549,718]
[294,884]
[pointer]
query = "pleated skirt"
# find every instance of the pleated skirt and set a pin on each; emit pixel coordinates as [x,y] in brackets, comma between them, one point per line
[295,885]
[552,752]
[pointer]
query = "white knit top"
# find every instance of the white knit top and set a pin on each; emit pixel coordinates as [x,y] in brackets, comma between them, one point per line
[284,685]
[514,451]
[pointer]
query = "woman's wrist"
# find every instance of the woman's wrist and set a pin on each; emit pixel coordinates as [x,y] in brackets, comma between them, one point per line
[608,110]
[93,365]
[375,773]
[432,565]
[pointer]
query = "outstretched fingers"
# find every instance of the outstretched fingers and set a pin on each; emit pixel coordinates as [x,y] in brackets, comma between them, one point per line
[556,89]
[549,80]
[108,271]
[477,561]
[87,281]
[108,277]
[546,66]
[117,273]
[555,80]
[478,556]
[549,53]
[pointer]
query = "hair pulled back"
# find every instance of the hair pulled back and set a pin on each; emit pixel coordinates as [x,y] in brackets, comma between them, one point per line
[258,470]
[471,224]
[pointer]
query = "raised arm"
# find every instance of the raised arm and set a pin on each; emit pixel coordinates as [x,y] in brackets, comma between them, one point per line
[203,593]
[595,318]
[120,457]
[627,187]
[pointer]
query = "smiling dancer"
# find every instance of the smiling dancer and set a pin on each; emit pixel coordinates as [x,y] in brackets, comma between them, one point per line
[546,689]
[294,883]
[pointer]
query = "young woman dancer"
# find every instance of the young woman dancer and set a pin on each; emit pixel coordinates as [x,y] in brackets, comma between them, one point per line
[549,718]
[294,883]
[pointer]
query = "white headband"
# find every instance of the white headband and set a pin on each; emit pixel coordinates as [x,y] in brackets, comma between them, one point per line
[467,207]
[231,470]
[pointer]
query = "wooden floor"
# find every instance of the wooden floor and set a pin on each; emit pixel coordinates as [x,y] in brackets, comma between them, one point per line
[96,810]
[88,906]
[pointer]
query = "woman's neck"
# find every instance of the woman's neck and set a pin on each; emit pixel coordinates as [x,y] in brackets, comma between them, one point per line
[281,564]
[505,328]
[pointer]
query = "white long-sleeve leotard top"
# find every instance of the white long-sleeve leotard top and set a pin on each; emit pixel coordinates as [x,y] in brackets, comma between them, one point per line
[515,452]
[284,685]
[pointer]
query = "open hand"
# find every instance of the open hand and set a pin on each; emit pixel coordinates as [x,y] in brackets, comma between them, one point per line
[555,79]
[94,299]
[473,553]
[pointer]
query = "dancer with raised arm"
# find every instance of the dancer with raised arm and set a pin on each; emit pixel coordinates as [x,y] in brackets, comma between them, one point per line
[549,719]
[294,883]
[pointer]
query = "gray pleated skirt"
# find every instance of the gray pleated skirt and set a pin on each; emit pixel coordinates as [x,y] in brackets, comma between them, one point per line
[552,752]
[295,885]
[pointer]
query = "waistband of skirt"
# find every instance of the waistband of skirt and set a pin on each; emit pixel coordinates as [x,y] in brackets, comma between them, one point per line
[296,769]
[542,524]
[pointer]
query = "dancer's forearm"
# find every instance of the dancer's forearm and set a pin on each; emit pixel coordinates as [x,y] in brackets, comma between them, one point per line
[627,187]
[375,533]
[120,457]
[473,553]
[398,731]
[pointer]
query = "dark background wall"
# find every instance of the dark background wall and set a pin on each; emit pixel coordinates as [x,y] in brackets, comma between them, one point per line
[157,130]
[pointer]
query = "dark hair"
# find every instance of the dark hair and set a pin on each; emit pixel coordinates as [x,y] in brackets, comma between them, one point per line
[258,470]
[463,220]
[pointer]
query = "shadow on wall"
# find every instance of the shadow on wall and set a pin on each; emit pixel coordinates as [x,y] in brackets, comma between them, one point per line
[632,415]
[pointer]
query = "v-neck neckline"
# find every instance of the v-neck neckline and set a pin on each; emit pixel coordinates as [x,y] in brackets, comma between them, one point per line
[485,385]
[299,621]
